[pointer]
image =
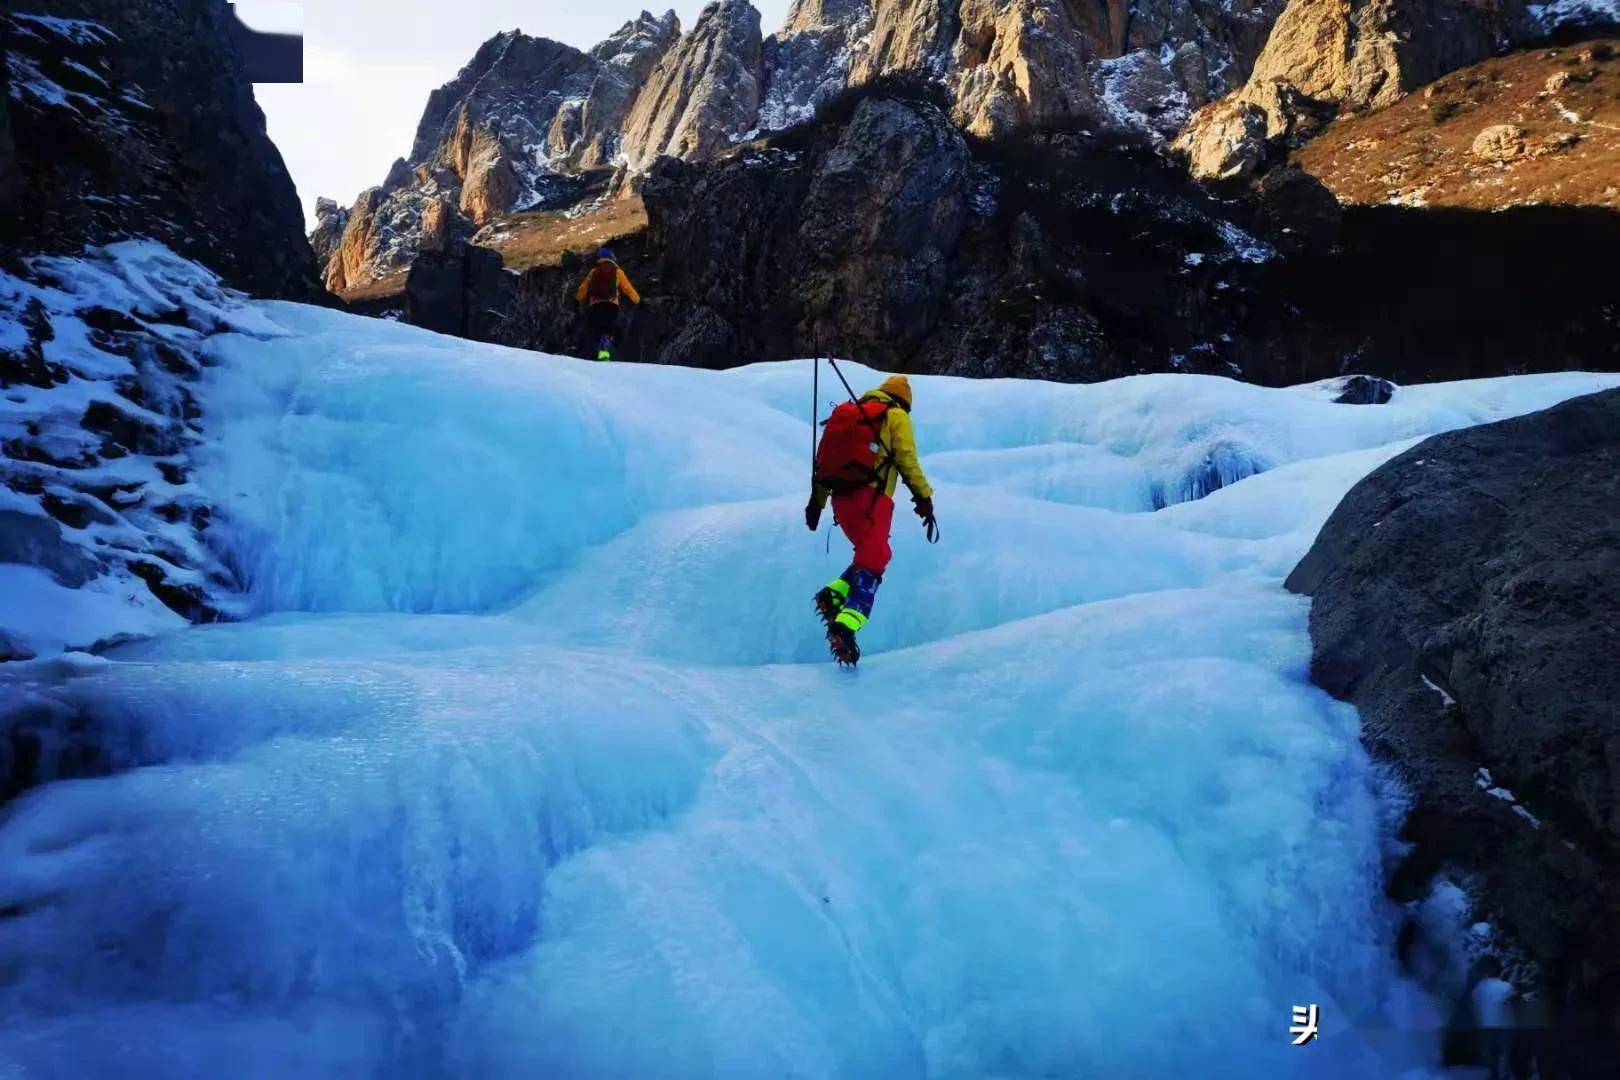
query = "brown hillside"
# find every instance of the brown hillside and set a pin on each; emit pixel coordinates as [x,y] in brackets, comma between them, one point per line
[1540,127]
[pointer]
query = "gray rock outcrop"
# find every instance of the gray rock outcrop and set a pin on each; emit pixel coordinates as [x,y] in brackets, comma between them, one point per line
[1466,597]
[330,222]
[808,61]
[585,134]
[1015,63]
[705,93]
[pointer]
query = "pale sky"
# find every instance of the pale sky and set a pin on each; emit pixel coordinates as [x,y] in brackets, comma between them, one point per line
[369,66]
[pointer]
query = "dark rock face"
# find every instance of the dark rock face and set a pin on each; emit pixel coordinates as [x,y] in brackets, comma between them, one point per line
[132,118]
[443,289]
[1467,600]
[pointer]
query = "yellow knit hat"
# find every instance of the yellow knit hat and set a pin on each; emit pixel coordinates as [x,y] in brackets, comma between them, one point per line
[899,388]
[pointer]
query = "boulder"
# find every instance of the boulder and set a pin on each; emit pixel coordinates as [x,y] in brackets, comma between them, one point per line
[1364,390]
[38,541]
[13,650]
[1499,142]
[1466,598]
[1224,141]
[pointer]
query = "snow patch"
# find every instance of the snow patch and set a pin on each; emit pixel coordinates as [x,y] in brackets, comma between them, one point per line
[1483,781]
[77,31]
[1140,92]
[1445,698]
[1241,245]
[1569,13]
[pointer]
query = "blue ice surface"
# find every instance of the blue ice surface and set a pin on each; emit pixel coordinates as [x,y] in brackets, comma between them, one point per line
[531,763]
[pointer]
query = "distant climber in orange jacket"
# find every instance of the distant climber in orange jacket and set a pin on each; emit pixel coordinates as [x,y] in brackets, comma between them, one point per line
[601,289]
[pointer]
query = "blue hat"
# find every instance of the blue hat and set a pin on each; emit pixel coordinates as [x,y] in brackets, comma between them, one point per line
[605,253]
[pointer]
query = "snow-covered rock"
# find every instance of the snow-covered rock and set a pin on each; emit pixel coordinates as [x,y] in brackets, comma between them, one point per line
[101,525]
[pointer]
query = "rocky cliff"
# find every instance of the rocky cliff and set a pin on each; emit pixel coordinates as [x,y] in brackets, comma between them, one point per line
[704,94]
[331,220]
[1466,597]
[587,133]
[1139,65]
[528,115]
[502,135]
[133,119]
[882,231]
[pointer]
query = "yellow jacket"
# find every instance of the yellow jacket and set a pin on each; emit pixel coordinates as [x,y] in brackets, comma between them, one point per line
[901,462]
[624,285]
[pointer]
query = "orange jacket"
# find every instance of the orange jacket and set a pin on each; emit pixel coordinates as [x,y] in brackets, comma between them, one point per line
[623,282]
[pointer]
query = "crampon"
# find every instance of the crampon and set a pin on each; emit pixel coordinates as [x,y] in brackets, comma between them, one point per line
[828,605]
[841,640]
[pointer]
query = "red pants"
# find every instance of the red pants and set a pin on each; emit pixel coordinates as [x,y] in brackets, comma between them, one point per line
[866,516]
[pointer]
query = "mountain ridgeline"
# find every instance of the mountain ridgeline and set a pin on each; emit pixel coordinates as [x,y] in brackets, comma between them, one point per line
[527,112]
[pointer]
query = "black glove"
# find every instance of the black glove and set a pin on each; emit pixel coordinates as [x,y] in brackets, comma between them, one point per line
[812,515]
[925,510]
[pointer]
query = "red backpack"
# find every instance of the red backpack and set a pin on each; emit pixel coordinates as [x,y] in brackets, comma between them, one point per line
[603,287]
[851,440]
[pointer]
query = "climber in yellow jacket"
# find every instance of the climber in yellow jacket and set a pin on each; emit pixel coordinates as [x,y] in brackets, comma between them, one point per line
[867,447]
[601,289]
